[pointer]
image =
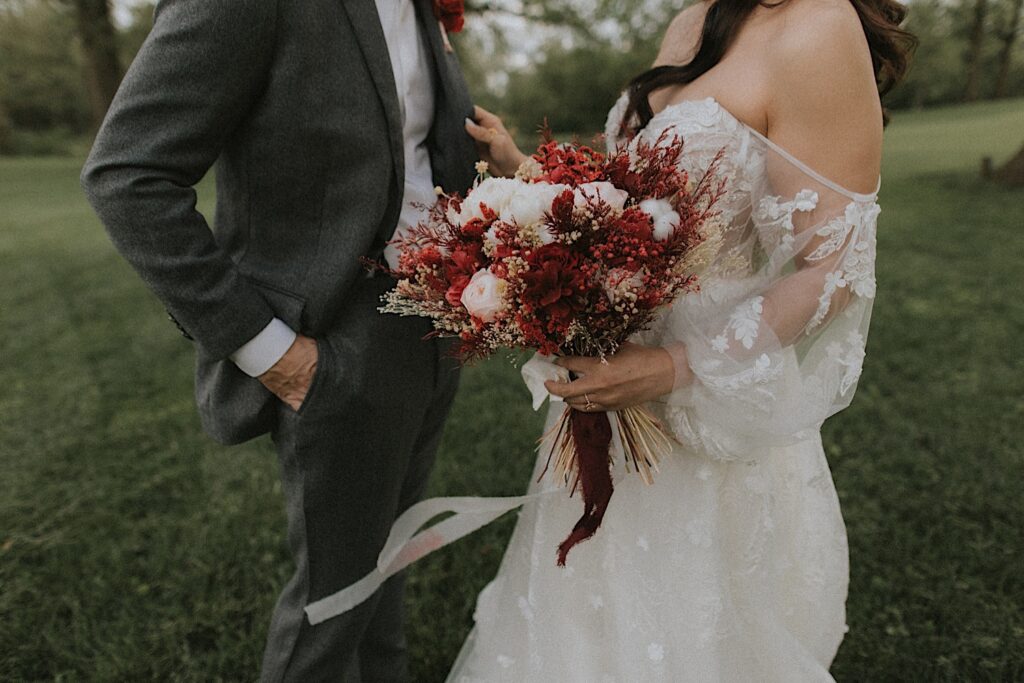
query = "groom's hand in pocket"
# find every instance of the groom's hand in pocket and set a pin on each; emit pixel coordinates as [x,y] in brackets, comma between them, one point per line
[290,378]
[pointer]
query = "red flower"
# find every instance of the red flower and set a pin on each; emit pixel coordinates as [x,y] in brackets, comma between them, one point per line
[457,286]
[553,283]
[570,165]
[475,228]
[430,256]
[460,268]
[451,14]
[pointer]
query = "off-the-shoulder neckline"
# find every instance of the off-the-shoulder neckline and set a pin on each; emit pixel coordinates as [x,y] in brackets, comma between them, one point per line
[856,196]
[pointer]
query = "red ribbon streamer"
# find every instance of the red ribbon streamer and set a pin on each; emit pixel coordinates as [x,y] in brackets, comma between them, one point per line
[592,433]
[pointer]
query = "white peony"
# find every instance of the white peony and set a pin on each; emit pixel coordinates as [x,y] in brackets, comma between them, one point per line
[601,191]
[484,296]
[663,215]
[530,202]
[495,193]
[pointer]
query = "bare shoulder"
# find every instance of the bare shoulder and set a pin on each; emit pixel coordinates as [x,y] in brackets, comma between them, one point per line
[821,33]
[683,35]
[824,96]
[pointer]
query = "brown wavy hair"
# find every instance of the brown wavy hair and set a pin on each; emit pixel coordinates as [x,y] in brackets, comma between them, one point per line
[891,47]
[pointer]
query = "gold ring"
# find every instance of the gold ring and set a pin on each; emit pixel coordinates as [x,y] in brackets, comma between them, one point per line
[590,404]
[493,133]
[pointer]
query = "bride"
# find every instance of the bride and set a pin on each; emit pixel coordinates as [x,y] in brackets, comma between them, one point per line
[733,565]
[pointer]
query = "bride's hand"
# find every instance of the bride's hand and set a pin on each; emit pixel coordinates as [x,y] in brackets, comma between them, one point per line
[494,143]
[636,374]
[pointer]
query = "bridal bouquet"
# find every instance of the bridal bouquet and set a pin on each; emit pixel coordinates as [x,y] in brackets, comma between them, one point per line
[573,256]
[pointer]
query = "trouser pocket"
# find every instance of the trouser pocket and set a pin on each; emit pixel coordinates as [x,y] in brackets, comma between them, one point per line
[323,366]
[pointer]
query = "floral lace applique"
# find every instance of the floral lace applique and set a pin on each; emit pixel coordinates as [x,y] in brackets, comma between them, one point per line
[850,356]
[762,371]
[859,263]
[745,322]
[774,219]
[856,269]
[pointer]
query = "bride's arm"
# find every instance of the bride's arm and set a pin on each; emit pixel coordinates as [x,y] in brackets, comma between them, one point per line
[824,114]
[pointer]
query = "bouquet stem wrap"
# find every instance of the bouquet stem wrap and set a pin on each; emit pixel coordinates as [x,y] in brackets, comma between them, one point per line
[592,434]
[581,446]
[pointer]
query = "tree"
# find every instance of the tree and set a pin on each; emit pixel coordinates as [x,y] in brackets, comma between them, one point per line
[975,47]
[99,45]
[936,71]
[41,85]
[6,147]
[622,25]
[1007,38]
[134,32]
[1012,172]
[573,89]
[564,60]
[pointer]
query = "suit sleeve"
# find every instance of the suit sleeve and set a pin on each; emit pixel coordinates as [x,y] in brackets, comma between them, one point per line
[196,77]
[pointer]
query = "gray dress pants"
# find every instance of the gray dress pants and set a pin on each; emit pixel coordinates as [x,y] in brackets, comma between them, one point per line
[354,457]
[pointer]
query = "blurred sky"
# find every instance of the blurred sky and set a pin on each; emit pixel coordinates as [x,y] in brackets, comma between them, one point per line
[121,9]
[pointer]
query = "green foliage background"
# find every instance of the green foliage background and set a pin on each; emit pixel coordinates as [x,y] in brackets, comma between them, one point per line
[581,54]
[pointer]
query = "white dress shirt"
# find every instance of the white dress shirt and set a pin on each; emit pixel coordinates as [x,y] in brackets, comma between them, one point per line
[410,63]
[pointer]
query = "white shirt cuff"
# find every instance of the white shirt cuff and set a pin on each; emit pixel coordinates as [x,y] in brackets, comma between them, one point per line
[263,351]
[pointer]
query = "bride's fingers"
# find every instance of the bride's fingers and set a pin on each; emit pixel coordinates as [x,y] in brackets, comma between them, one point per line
[487,119]
[572,390]
[480,133]
[585,406]
[582,365]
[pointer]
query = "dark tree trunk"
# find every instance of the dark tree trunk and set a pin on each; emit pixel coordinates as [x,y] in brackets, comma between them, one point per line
[1009,37]
[1012,172]
[5,131]
[975,42]
[99,43]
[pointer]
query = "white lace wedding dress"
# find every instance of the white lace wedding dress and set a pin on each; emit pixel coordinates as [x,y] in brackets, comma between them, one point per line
[732,566]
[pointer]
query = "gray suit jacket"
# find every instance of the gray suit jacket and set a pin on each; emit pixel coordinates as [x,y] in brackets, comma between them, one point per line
[297,104]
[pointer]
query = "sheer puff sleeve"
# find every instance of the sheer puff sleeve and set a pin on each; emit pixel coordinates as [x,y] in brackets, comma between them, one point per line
[775,339]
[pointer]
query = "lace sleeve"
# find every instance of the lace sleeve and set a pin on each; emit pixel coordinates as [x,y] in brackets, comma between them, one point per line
[776,338]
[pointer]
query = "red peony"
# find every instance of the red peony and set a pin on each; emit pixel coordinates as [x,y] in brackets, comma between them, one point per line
[553,283]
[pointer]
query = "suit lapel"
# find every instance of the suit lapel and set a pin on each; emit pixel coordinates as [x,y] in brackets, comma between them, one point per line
[452,150]
[432,30]
[370,36]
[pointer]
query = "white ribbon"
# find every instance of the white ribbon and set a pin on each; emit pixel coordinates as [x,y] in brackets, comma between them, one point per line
[405,546]
[538,370]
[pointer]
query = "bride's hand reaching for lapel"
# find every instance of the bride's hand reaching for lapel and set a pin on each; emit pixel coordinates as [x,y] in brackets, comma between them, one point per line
[494,143]
[636,374]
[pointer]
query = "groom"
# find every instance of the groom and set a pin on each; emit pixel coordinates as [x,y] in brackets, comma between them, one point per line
[328,120]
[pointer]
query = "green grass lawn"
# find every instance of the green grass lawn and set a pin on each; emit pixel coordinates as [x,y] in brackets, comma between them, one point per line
[133,548]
